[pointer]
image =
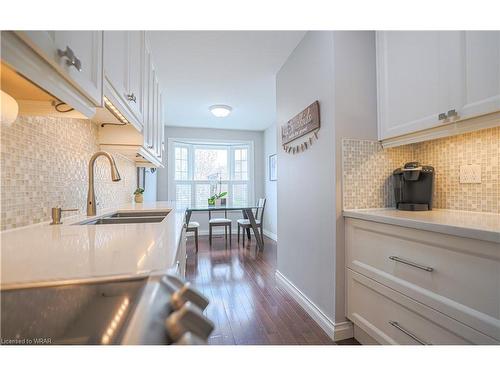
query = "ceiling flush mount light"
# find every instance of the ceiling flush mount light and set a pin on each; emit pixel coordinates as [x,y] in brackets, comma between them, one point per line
[220,110]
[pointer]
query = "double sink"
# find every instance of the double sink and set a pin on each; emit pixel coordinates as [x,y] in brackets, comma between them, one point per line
[128,217]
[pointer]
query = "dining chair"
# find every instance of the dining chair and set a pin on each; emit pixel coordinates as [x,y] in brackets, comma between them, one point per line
[259,219]
[192,227]
[219,222]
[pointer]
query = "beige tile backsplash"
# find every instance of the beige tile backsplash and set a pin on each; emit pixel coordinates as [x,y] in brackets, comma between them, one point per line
[367,169]
[44,164]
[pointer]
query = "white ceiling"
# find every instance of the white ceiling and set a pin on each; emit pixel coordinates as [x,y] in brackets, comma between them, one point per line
[200,68]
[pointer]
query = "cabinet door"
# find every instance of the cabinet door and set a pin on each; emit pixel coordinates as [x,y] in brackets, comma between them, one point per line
[135,81]
[161,132]
[158,120]
[481,67]
[150,136]
[116,61]
[148,95]
[412,78]
[76,55]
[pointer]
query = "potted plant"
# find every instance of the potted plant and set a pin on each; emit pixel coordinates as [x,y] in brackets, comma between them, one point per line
[217,199]
[138,195]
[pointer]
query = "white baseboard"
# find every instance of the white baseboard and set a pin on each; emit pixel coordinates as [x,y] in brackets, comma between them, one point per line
[336,331]
[271,235]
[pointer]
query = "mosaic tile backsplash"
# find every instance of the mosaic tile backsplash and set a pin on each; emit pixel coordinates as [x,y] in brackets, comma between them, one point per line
[44,164]
[367,169]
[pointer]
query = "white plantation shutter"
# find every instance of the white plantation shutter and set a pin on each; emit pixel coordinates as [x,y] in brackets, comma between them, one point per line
[199,169]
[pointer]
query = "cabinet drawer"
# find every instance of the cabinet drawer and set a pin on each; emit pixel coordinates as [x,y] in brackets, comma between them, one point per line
[457,276]
[392,318]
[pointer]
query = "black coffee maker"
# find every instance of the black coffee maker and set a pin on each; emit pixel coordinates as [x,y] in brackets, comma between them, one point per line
[413,187]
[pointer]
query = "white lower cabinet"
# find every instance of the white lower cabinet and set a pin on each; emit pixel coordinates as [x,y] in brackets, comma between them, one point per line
[441,289]
[392,318]
[180,259]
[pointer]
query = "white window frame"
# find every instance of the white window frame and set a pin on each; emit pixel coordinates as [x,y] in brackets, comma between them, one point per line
[192,143]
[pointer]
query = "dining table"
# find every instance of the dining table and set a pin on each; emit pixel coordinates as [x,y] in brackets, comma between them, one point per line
[246,210]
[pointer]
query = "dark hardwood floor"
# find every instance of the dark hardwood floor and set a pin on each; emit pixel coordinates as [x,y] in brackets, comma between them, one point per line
[246,305]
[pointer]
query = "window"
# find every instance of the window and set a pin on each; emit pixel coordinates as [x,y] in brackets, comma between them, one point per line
[201,170]
[181,163]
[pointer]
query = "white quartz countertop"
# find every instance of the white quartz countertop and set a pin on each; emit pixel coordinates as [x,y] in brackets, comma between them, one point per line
[46,253]
[476,225]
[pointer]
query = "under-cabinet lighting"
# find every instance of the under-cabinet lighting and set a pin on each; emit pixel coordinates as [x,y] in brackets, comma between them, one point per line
[8,108]
[115,111]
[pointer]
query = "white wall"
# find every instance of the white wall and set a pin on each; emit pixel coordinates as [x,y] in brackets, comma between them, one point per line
[338,69]
[215,134]
[355,117]
[270,187]
[306,204]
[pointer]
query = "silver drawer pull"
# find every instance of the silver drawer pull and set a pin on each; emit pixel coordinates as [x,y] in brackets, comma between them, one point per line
[71,58]
[131,97]
[409,263]
[442,116]
[406,332]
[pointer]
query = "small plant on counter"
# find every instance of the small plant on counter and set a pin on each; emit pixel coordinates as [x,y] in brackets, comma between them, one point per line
[138,195]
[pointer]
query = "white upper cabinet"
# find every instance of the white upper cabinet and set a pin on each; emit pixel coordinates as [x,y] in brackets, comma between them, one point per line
[148,96]
[411,91]
[136,72]
[426,79]
[76,55]
[116,61]
[481,67]
[124,70]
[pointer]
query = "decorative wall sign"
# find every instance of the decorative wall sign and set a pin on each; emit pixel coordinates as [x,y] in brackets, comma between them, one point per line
[273,160]
[301,146]
[305,122]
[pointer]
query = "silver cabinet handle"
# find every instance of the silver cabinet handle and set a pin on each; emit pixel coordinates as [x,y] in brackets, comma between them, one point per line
[410,263]
[406,332]
[442,116]
[131,97]
[71,58]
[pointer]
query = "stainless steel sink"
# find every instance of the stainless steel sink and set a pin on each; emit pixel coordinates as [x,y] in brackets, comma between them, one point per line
[140,214]
[131,217]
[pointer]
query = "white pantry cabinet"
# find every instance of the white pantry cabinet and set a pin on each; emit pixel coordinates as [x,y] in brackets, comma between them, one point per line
[76,55]
[124,57]
[428,79]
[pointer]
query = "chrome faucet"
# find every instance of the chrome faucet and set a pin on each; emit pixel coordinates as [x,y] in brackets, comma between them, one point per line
[115,176]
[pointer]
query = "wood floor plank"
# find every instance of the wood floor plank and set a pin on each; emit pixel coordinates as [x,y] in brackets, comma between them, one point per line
[246,305]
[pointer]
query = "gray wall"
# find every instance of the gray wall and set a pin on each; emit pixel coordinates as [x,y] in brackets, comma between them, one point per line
[270,187]
[338,69]
[215,134]
[306,204]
